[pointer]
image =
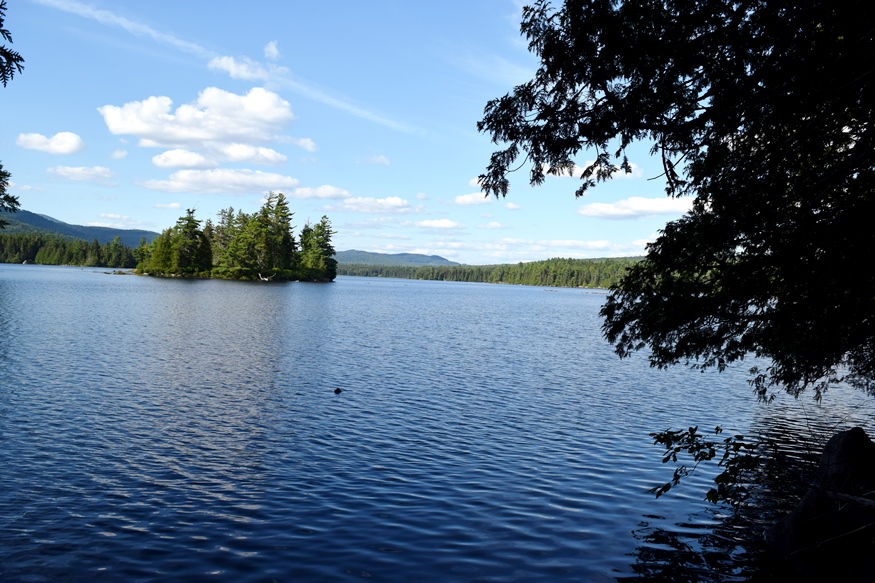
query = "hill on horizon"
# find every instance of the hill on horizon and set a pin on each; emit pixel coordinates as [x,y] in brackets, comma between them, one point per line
[354,256]
[27,222]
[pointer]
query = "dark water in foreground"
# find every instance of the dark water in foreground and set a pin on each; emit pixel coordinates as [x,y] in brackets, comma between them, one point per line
[188,430]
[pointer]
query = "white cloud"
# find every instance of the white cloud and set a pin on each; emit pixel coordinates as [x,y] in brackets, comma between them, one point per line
[217,116]
[305,143]
[517,249]
[108,18]
[380,160]
[254,154]
[25,187]
[391,205]
[635,207]
[222,180]
[473,198]
[60,143]
[475,182]
[271,51]
[170,205]
[440,224]
[391,236]
[421,196]
[116,221]
[179,158]
[493,225]
[119,154]
[246,69]
[98,174]
[324,191]
[512,206]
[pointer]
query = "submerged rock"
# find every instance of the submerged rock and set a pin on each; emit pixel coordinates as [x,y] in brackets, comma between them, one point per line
[831,532]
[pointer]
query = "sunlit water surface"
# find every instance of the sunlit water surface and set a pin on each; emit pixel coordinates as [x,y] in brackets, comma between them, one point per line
[189,430]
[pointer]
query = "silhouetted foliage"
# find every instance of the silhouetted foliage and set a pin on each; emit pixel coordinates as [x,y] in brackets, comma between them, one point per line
[763,112]
[8,202]
[10,62]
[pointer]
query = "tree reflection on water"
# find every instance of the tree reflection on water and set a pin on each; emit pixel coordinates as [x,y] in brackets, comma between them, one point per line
[720,544]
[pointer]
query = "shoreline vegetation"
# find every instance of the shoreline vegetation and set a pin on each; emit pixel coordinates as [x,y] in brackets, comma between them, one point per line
[243,256]
[258,246]
[557,272]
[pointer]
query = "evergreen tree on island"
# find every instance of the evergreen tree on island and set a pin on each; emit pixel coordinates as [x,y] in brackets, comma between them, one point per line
[260,246]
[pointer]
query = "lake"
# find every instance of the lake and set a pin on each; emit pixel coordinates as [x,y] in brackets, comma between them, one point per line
[165,429]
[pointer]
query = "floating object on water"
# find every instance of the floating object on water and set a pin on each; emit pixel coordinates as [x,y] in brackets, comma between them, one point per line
[337,391]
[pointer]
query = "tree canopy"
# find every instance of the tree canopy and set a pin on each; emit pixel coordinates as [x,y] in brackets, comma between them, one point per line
[10,62]
[8,202]
[242,246]
[760,110]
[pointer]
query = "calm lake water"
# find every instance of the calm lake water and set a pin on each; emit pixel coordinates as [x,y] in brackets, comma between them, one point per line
[189,430]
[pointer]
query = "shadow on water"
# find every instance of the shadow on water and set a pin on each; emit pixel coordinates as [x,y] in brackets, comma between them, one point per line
[722,544]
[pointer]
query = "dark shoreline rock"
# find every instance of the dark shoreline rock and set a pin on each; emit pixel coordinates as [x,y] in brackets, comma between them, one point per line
[831,532]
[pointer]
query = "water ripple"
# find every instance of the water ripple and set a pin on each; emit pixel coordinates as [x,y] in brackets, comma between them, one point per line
[186,430]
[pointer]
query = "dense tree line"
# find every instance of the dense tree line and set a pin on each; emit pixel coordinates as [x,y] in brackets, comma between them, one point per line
[253,246]
[47,249]
[558,272]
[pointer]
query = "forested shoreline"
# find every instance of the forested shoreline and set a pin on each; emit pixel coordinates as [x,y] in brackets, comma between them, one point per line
[257,246]
[557,272]
[48,249]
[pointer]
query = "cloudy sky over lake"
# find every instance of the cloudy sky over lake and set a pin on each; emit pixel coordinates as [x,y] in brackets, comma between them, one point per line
[129,113]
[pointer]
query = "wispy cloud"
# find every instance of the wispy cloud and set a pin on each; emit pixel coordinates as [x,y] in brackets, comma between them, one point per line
[389,205]
[96,174]
[108,18]
[320,192]
[222,181]
[380,160]
[245,68]
[440,224]
[474,198]
[636,207]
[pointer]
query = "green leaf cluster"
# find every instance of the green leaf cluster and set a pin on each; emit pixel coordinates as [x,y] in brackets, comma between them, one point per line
[738,459]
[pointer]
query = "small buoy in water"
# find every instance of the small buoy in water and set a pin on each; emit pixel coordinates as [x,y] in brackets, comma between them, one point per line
[337,391]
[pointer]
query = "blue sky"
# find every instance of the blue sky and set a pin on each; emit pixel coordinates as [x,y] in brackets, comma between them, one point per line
[128,113]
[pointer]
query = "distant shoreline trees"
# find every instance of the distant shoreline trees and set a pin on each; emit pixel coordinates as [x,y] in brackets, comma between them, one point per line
[50,249]
[557,272]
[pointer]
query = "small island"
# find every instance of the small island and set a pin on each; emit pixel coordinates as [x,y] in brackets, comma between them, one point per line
[258,246]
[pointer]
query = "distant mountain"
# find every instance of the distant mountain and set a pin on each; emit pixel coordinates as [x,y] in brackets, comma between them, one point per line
[368,258]
[28,222]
